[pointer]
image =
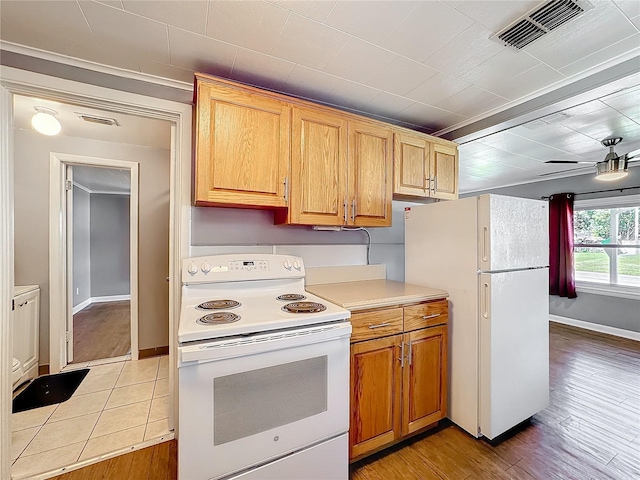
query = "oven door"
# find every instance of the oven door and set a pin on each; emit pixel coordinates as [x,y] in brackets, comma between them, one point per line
[245,402]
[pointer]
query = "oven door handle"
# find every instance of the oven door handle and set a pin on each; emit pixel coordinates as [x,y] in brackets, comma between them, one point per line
[237,347]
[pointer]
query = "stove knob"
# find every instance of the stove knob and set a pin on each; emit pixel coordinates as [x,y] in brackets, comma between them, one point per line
[206,268]
[192,269]
[296,265]
[287,264]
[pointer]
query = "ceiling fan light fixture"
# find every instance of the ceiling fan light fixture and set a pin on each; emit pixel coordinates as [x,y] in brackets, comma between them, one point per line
[613,169]
[45,121]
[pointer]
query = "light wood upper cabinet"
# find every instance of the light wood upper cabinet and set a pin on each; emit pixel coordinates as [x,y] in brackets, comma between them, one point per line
[424,378]
[341,171]
[376,384]
[318,168]
[370,186]
[423,168]
[411,165]
[242,147]
[444,172]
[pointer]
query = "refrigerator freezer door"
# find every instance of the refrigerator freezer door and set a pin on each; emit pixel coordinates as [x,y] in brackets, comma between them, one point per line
[514,348]
[513,233]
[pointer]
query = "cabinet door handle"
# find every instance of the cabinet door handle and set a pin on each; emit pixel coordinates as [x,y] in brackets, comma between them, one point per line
[353,210]
[380,325]
[344,210]
[286,189]
[428,180]
[401,354]
[409,356]
[435,183]
[433,315]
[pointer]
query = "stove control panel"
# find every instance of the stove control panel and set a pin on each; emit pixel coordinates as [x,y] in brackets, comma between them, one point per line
[239,267]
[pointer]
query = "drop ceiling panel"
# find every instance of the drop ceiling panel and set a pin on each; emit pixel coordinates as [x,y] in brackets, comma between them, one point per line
[145,37]
[594,30]
[499,69]
[317,10]
[186,14]
[381,18]
[308,43]
[417,112]
[532,80]
[103,180]
[465,52]
[352,95]
[200,53]
[388,104]
[429,27]
[402,76]
[631,8]
[165,71]
[309,83]
[471,101]
[437,88]
[250,24]
[495,15]
[629,98]
[608,53]
[260,69]
[359,61]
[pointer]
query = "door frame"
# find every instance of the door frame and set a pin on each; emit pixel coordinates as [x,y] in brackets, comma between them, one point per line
[15,81]
[61,260]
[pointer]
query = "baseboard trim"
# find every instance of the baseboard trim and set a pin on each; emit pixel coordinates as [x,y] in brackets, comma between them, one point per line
[43,370]
[153,352]
[594,327]
[82,306]
[110,298]
[89,301]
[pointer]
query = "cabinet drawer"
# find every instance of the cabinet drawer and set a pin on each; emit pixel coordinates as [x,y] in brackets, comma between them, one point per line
[426,315]
[377,323]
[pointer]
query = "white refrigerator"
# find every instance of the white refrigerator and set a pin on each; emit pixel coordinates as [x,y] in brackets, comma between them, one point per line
[491,253]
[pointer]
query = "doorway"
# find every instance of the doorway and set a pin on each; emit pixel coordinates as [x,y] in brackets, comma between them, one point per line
[101,253]
[17,82]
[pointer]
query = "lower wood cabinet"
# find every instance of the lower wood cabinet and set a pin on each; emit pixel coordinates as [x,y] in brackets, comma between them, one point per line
[398,382]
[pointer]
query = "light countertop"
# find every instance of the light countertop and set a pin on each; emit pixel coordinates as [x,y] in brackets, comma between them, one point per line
[20,289]
[374,293]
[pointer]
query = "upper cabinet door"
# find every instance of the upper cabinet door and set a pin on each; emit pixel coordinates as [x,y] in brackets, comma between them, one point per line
[411,170]
[242,147]
[370,175]
[444,172]
[318,168]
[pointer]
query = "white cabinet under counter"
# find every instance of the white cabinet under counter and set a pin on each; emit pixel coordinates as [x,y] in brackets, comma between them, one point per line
[26,328]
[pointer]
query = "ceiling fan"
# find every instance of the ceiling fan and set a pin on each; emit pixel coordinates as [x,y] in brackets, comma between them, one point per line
[613,166]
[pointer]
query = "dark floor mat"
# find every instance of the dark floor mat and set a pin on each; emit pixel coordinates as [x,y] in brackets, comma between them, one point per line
[48,390]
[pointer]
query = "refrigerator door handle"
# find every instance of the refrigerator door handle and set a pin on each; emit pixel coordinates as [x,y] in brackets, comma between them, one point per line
[485,300]
[485,243]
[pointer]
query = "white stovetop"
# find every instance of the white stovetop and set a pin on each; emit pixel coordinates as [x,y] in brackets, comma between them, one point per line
[260,310]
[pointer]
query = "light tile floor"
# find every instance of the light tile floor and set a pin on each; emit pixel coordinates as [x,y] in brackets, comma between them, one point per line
[117,405]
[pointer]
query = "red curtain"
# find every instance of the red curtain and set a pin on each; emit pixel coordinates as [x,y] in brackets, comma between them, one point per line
[561,273]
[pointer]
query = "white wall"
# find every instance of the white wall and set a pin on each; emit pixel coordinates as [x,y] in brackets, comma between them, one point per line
[31,153]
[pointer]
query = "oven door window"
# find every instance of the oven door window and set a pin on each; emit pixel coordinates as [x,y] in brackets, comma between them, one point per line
[287,393]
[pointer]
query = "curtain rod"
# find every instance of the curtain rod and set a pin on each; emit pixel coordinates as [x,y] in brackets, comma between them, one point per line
[598,191]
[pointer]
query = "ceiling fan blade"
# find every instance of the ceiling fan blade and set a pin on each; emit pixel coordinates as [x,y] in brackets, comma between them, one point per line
[568,161]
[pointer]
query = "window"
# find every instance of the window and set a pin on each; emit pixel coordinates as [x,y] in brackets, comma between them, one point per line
[607,243]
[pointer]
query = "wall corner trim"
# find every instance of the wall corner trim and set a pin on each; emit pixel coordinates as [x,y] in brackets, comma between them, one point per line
[594,327]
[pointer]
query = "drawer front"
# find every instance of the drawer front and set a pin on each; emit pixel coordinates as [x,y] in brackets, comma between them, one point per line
[426,315]
[375,324]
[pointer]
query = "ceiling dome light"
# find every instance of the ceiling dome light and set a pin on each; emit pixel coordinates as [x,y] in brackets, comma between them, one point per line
[45,121]
[612,169]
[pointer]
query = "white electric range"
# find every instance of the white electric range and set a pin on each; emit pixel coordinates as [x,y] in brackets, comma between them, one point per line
[263,373]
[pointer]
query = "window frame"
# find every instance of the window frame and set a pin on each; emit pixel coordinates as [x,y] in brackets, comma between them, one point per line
[608,289]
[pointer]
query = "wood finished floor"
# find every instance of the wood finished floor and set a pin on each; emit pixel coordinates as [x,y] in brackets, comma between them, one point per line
[591,430]
[153,463]
[102,330]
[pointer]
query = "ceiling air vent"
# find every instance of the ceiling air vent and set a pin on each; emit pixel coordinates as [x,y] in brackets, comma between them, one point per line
[540,21]
[99,120]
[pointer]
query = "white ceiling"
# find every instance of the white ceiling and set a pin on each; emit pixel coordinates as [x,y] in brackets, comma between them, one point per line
[131,129]
[102,180]
[427,65]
